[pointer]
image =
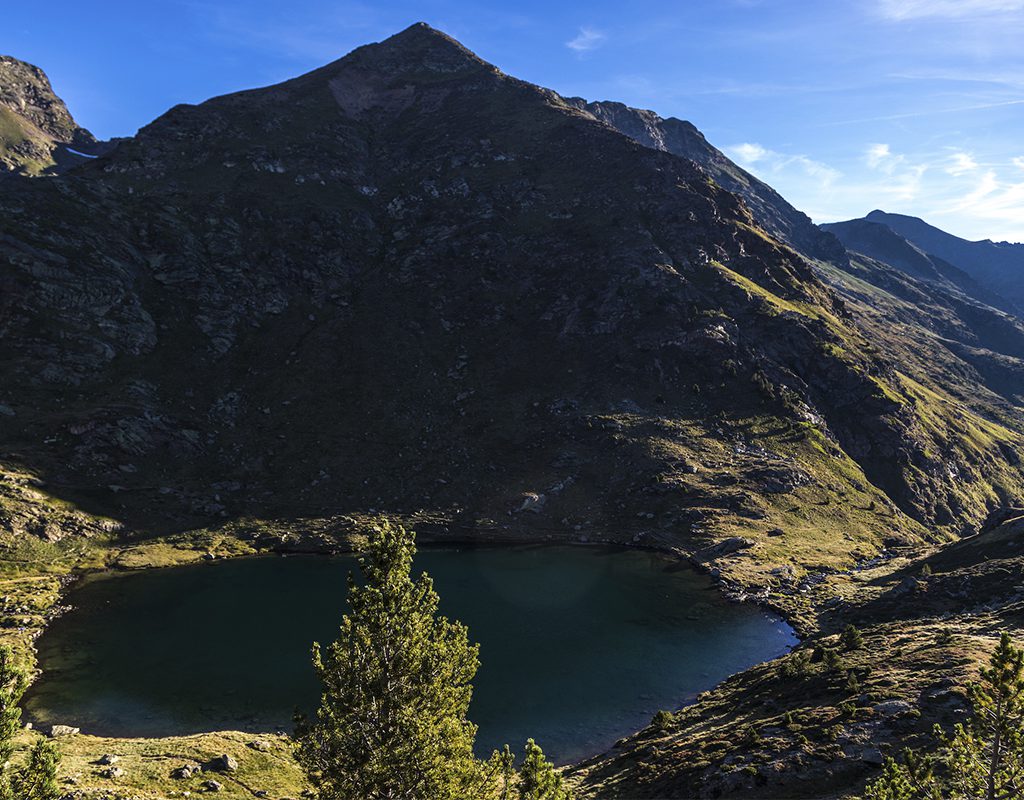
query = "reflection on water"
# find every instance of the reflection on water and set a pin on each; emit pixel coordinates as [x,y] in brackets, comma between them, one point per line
[579,645]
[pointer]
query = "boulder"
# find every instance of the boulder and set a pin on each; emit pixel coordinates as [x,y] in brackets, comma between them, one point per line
[910,585]
[723,548]
[212,786]
[224,763]
[784,573]
[893,707]
[186,771]
[62,730]
[873,756]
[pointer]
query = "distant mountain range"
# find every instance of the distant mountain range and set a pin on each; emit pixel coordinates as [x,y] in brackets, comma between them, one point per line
[409,284]
[988,271]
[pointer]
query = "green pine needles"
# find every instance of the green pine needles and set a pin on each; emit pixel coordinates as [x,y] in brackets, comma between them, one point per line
[982,759]
[392,722]
[36,778]
[537,777]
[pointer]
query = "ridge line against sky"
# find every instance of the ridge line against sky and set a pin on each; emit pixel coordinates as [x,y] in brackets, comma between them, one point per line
[913,106]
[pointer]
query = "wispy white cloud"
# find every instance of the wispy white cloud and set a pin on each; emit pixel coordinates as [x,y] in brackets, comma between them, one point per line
[748,152]
[899,10]
[751,154]
[897,178]
[880,157]
[1010,77]
[991,199]
[960,163]
[925,113]
[950,187]
[587,39]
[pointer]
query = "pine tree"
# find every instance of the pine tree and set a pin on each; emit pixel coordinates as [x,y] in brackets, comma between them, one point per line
[913,779]
[851,638]
[986,756]
[537,777]
[982,759]
[12,687]
[36,779]
[397,684]
[503,770]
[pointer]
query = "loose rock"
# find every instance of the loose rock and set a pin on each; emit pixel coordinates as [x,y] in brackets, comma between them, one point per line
[224,763]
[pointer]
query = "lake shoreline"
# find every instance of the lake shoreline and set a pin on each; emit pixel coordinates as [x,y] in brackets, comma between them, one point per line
[611,563]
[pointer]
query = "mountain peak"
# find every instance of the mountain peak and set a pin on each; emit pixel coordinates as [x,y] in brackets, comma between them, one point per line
[421,31]
[417,49]
[885,216]
[26,91]
[34,122]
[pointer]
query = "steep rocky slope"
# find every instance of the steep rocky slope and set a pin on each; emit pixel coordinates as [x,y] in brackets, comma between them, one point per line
[772,212]
[37,133]
[408,283]
[943,336]
[941,327]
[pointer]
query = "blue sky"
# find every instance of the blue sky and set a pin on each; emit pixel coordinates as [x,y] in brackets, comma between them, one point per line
[912,106]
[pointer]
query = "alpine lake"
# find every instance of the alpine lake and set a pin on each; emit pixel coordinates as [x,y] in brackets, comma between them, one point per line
[579,646]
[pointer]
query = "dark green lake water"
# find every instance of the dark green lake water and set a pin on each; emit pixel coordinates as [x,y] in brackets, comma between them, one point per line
[579,645]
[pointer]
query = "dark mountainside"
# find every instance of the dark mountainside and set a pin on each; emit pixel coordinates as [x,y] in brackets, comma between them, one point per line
[772,212]
[996,266]
[333,295]
[35,125]
[407,284]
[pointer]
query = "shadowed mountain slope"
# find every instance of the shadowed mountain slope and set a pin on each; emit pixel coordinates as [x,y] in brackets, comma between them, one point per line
[409,285]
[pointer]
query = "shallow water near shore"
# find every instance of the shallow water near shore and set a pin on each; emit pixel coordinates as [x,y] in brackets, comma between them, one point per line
[578,645]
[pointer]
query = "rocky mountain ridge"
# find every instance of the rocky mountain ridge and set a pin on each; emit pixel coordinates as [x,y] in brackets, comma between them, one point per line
[771,211]
[37,132]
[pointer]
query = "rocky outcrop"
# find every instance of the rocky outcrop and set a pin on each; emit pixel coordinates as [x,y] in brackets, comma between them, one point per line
[37,133]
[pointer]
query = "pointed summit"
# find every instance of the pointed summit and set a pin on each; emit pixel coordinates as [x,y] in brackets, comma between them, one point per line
[421,32]
[417,49]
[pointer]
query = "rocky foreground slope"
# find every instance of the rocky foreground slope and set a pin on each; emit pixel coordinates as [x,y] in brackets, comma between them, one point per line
[408,284]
